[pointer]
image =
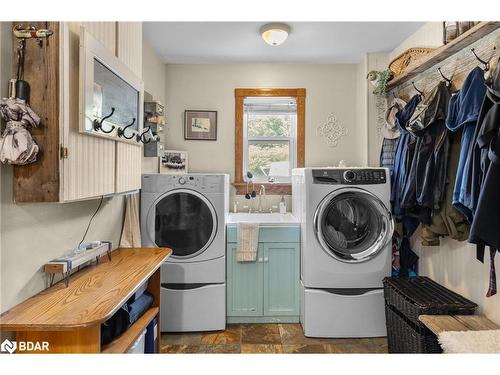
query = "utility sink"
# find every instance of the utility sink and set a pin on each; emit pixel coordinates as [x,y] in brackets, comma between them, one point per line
[262,218]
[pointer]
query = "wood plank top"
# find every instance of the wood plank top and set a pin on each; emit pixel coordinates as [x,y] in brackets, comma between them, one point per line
[94,294]
[470,36]
[442,323]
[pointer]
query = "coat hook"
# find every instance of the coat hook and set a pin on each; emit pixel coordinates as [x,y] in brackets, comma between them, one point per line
[417,90]
[485,63]
[121,131]
[140,137]
[98,123]
[448,80]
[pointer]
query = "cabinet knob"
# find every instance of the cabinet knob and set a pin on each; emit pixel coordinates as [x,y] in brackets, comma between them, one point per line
[266,259]
[260,260]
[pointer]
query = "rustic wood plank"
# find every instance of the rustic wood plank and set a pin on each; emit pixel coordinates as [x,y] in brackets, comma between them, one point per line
[93,295]
[39,181]
[456,67]
[474,34]
[476,322]
[441,323]
[124,342]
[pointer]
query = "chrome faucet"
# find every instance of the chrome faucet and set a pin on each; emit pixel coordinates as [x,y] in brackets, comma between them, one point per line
[262,192]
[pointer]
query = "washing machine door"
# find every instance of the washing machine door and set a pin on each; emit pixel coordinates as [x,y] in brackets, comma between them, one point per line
[352,225]
[185,221]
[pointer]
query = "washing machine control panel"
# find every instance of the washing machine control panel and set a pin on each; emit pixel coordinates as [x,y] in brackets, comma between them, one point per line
[355,176]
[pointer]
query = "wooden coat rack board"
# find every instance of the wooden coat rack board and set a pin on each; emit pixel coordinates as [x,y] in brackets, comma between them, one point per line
[455,60]
[39,182]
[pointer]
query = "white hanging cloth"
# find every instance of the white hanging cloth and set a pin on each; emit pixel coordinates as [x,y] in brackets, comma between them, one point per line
[131,233]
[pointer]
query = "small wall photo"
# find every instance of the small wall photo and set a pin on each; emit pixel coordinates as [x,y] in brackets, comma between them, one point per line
[200,125]
[173,162]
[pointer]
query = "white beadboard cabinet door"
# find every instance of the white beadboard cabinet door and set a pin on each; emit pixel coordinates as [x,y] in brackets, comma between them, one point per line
[129,156]
[89,169]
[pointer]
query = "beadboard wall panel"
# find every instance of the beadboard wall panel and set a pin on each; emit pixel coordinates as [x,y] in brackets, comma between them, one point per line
[129,44]
[129,156]
[454,264]
[128,166]
[89,170]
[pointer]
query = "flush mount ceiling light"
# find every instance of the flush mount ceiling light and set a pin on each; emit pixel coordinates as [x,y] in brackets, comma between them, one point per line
[275,34]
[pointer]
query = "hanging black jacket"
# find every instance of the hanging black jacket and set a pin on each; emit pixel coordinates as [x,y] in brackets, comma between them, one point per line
[485,130]
[426,179]
[485,229]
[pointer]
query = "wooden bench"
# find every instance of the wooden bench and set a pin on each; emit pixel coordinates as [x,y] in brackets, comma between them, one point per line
[443,323]
[69,318]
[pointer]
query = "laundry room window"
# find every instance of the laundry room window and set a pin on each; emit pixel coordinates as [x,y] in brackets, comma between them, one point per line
[270,128]
[270,139]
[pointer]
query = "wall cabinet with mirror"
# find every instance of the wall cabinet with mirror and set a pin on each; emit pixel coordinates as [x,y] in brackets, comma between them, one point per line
[111,95]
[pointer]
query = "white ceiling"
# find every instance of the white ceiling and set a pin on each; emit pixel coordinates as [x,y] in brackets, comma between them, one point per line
[240,42]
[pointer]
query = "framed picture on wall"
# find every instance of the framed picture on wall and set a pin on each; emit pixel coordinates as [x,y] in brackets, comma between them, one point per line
[173,162]
[200,125]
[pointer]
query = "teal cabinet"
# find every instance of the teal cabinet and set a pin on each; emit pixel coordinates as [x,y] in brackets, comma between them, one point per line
[266,290]
[244,293]
[281,279]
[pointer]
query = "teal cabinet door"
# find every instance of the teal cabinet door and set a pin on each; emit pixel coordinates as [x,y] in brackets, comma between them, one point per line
[244,284]
[281,279]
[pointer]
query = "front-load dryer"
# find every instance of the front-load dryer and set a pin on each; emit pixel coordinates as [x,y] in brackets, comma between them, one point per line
[346,231]
[188,213]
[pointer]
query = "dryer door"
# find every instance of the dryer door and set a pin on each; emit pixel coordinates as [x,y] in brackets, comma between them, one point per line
[352,225]
[185,221]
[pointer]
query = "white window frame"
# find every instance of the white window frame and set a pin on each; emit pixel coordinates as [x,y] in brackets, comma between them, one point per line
[291,140]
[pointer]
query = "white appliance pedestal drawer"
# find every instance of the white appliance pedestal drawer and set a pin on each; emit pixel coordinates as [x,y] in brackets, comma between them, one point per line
[329,314]
[199,308]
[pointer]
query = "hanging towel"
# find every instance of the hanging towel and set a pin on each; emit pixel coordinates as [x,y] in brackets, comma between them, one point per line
[131,234]
[248,241]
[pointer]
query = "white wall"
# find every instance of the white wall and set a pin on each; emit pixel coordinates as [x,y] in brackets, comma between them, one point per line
[154,77]
[375,108]
[429,35]
[454,263]
[329,89]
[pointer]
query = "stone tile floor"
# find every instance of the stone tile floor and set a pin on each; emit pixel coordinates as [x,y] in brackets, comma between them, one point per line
[265,338]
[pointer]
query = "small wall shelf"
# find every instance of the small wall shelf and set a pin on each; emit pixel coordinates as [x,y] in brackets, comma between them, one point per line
[477,32]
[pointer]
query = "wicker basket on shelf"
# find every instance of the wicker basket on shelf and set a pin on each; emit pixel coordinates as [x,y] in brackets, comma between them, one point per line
[408,58]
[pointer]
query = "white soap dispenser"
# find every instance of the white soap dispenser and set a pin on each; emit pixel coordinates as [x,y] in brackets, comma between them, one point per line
[282,205]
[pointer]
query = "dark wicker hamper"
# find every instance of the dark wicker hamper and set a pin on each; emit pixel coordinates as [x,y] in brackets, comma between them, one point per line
[408,298]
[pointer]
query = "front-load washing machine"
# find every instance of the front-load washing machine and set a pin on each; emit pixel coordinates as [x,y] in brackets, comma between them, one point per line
[346,232]
[188,214]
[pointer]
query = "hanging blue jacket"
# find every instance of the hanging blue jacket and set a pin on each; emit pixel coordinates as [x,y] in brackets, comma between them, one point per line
[402,160]
[463,112]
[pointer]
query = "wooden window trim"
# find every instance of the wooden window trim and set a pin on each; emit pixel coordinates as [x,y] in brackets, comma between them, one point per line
[240,94]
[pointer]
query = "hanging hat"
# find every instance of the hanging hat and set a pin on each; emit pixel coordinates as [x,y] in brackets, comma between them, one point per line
[390,129]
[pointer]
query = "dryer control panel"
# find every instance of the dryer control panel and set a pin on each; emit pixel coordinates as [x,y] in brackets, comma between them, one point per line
[205,183]
[346,176]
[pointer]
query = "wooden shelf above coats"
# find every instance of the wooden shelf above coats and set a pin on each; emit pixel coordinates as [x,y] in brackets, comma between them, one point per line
[469,37]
